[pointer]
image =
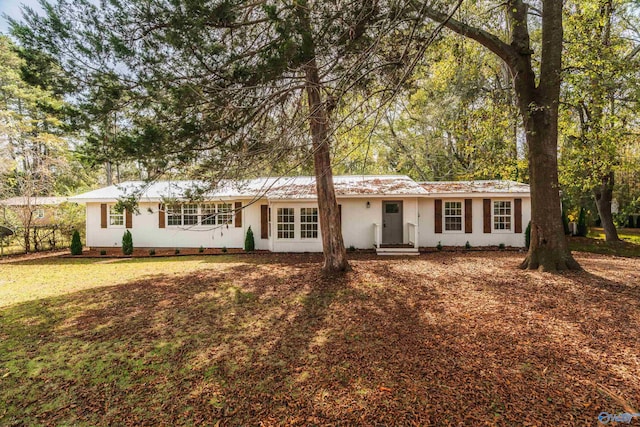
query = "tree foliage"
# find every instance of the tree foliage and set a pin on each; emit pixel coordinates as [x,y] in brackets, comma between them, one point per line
[599,98]
[34,153]
[456,119]
[535,65]
[227,88]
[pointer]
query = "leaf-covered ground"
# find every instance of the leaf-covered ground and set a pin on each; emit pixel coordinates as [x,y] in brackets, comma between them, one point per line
[440,339]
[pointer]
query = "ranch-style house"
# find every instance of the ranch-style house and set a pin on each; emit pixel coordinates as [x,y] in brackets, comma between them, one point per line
[388,213]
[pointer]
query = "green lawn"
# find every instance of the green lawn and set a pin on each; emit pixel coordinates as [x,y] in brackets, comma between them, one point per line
[631,235]
[46,277]
[629,246]
[439,339]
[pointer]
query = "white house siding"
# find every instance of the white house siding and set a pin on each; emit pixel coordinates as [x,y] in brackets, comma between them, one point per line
[358,220]
[147,233]
[251,217]
[357,223]
[429,238]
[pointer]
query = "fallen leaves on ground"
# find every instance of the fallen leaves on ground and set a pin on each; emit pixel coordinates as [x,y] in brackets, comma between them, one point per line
[439,339]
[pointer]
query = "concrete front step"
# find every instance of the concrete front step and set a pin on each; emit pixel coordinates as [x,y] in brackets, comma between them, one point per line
[398,251]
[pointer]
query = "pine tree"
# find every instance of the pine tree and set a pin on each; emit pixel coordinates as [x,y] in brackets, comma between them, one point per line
[127,243]
[249,242]
[76,244]
[217,86]
[582,223]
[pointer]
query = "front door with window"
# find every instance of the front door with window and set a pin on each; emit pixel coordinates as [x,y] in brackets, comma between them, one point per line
[391,223]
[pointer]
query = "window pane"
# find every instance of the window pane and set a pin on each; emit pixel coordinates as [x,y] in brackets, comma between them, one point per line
[391,208]
[286,223]
[225,214]
[453,216]
[115,218]
[502,215]
[190,214]
[174,214]
[309,223]
[208,214]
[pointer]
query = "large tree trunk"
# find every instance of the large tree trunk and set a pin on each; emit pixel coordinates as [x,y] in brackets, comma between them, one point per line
[335,255]
[604,192]
[548,248]
[538,105]
[604,196]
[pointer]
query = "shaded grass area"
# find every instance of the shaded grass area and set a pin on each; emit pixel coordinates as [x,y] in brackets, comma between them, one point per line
[629,246]
[440,339]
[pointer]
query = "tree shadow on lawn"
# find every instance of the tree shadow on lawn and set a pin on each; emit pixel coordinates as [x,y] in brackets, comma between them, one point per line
[164,350]
[393,342]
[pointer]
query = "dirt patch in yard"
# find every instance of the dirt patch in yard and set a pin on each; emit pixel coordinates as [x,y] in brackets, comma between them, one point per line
[439,339]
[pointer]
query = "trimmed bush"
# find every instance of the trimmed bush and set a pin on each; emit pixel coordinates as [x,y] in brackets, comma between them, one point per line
[249,241]
[351,248]
[527,235]
[152,252]
[467,245]
[201,249]
[224,249]
[501,246]
[127,243]
[439,246]
[103,252]
[76,244]
[177,252]
[582,223]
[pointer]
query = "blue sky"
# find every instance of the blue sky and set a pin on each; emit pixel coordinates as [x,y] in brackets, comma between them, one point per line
[12,9]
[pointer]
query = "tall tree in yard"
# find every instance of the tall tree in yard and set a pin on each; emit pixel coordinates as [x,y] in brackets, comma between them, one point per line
[225,85]
[598,98]
[538,99]
[33,153]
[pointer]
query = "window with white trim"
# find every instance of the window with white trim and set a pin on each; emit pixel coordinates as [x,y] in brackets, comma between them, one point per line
[225,213]
[286,223]
[453,216]
[39,213]
[502,215]
[174,214]
[309,223]
[190,214]
[208,214]
[116,218]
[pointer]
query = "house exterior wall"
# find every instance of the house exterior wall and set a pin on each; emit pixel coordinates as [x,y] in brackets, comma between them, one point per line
[357,226]
[147,233]
[429,238]
[357,223]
